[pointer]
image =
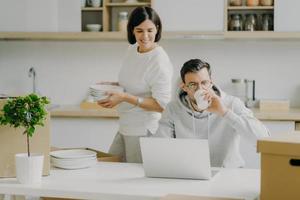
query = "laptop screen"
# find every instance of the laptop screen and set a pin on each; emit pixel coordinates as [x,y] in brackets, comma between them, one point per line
[176,158]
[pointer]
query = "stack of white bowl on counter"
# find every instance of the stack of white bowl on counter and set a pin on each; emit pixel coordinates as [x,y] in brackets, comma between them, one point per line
[99,91]
[73,158]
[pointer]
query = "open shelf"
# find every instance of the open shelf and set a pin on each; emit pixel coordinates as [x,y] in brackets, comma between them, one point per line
[129,4]
[67,36]
[248,18]
[102,36]
[107,15]
[91,9]
[250,7]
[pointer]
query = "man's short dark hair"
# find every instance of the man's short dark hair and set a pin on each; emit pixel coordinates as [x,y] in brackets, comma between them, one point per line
[139,15]
[193,66]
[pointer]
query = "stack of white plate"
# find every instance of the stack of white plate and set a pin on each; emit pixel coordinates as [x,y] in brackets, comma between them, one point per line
[73,158]
[98,92]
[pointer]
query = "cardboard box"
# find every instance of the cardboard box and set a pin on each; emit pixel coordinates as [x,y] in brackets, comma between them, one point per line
[280,167]
[12,141]
[274,105]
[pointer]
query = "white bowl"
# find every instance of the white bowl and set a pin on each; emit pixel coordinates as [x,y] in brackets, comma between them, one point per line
[76,163]
[73,153]
[93,27]
[98,91]
[100,88]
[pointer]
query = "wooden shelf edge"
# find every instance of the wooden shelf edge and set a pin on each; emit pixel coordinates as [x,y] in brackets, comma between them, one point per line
[62,36]
[92,9]
[261,35]
[86,36]
[78,111]
[129,4]
[193,35]
[250,7]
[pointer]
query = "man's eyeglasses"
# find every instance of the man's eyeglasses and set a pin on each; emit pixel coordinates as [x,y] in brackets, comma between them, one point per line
[195,86]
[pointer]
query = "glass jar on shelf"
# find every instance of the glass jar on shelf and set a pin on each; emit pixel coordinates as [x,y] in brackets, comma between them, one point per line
[251,22]
[252,2]
[235,2]
[123,20]
[236,22]
[267,22]
[266,2]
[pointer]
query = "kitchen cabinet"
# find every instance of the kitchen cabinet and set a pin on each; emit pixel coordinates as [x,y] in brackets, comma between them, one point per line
[287,15]
[96,133]
[197,19]
[248,18]
[39,16]
[297,126]
[248,149]
[73,126]
[191,15]
[107,14]
[278,127]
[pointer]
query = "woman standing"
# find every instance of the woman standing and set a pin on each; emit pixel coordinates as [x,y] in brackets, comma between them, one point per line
[146,76]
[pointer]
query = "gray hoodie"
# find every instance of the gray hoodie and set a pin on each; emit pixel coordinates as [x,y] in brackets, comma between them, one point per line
[223,133]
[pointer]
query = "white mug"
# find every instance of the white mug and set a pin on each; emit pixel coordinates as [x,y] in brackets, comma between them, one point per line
[95,3]
[83,2]
[201,103]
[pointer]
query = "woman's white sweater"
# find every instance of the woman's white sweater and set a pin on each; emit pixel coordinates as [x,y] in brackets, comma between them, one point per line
[145,75]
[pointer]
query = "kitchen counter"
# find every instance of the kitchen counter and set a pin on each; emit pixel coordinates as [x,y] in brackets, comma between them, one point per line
[293,114]
[127,181]
[75,111]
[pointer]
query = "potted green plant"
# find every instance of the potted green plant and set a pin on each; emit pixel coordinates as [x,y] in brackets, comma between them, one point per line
[26,112]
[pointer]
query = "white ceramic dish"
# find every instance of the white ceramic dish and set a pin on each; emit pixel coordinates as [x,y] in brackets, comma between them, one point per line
[73,163]
[73,153]
[93,27]
[98,91]
[105,88]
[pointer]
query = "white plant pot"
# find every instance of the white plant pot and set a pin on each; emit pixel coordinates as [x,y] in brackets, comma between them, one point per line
[29,169]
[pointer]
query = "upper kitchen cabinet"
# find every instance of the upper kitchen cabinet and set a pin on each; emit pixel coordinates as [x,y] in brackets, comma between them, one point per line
[39,16]
[287,15]
[191,15]
[109,15]
[249,15]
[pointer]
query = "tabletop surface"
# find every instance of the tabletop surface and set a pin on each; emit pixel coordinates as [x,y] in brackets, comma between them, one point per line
[127,181]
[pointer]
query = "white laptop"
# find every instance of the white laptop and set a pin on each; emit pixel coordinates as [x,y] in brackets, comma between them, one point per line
[176,158]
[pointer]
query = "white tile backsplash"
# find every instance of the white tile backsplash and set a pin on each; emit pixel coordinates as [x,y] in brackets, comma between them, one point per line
[65,69]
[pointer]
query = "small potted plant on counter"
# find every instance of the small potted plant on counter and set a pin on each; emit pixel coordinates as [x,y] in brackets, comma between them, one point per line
[26,112]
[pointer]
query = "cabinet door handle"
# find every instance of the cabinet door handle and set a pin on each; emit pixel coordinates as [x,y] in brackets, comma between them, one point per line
[295,162]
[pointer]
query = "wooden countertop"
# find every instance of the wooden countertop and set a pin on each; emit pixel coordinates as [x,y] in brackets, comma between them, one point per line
[293,114]
[75,111]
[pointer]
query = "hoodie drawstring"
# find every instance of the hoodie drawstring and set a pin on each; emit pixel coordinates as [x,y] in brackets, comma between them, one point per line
[208,126]
[193,114]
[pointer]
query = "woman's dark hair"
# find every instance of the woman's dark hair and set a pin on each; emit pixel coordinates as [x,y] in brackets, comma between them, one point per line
[193,66]
[139,15]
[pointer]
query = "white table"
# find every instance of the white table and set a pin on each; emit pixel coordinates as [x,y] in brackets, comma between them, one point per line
[126,181]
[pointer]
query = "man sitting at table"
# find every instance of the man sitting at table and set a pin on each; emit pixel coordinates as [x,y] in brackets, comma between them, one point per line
[201,110]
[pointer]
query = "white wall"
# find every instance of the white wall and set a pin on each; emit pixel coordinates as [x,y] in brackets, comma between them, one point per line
[66,69]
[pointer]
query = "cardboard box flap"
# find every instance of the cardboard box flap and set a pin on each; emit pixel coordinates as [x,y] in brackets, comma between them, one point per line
[282,145]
